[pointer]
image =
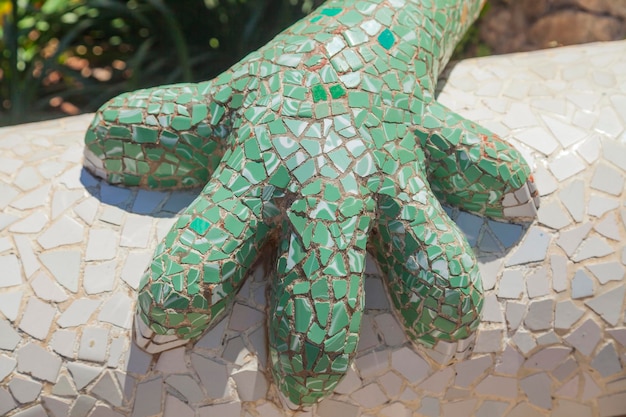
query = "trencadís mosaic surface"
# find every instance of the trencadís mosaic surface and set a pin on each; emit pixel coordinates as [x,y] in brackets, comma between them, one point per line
[552,338]
[324,144]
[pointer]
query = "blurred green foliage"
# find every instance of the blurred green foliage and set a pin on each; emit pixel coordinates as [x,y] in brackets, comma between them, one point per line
[62,57]
[69,56]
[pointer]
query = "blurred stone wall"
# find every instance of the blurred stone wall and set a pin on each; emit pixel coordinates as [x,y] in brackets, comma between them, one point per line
[522,25]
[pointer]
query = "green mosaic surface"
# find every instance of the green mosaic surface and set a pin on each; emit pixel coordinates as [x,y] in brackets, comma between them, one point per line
[324,144]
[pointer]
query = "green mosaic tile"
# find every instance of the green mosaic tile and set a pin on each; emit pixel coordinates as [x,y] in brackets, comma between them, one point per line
[337,91]
[129,116]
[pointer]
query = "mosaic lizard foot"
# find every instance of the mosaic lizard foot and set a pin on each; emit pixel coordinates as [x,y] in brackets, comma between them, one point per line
[327,141]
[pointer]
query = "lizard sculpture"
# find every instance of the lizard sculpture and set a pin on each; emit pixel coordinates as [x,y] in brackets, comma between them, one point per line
[322,145]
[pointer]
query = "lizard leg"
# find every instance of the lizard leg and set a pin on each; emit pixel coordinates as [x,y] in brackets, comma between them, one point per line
[473,168]
[200,265]
[317,298]
[431,272]
[162,137]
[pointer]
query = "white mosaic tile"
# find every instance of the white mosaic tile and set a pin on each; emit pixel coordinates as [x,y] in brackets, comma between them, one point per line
[37,318]
[511,284]
[540,315]
[489,341]
[524,341]
[570,388]
[27,178]
[608,304]
[93,344]
[187,387]
[515,312]
[606,361]
[593,247]
[470,370]
[7,194]
[23,389]
[566,314]
[590,149]
[116,350]
[11,274]
[243,317]
[392,332]
[612,405]
[10,302]
[7,403]
[410,365]
[565,370]
[569,408]
[551,214]
[489,270]
[64,231]
[64,387]
[82,374]
[252,385]
[350,383]
[372,364]
[56,406]
[566,134]
[147,392]
[65,266]
[214,376]
[25,249]
[520,115]
[112,215]
[117,310]
[533,248]
[582,285]
[539,139]
[176,407]
[35,360]
[585,337]
[492,310]
[63,342]
[134,266]
[548,358]
[5,244]
[464,408]
[538,388]
[87,210]
[395,409]
[33,199]
[569,240]
[607,271]
[78,313]
[47,289]
[430,407]
[31,224]
[136,232]
[370,396]
[225,410]
[236,351]
[102,245]
[590,387]
[99,277]
[566,165]
[537,283]
[492,409]
[600,204]
[63,200]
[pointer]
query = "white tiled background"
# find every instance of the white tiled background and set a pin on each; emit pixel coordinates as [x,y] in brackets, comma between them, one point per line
[553,338]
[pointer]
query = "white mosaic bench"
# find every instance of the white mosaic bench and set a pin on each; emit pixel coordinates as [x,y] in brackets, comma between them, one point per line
[553,337]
